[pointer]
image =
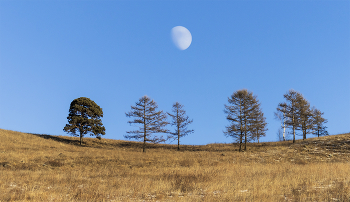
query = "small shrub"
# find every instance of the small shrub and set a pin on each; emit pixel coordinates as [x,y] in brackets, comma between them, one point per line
[55,163]
[186,163]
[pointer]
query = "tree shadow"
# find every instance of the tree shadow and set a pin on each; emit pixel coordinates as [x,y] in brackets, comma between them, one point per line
[329,144]
[59,139]
[133,144]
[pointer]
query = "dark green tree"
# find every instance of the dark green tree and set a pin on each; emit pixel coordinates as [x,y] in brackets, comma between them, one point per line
[84,116]
[241,112]
[180,120]
[150,121]
[319,121]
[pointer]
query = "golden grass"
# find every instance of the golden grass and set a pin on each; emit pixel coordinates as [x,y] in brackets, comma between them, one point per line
[56,168]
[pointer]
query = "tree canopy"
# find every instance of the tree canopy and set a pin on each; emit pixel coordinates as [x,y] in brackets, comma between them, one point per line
[84,116]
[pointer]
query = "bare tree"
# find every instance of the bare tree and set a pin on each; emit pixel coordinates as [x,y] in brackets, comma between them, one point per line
[319,121]
[290,109]
[258,126]
[280,135]
[281,116]
[305,116]
[181,121]
[241,112]
[150,120]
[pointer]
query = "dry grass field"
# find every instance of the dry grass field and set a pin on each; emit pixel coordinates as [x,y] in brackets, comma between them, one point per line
[56,168]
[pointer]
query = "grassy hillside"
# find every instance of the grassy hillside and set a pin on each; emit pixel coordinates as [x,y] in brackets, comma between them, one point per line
[56,168]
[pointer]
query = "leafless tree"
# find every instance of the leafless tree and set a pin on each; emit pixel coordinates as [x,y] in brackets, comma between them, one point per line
[280,135]
[150,121]
[242,112]
[258,126]
[180,120]
[290,109]
[281,116]
[305,116]
[319,121]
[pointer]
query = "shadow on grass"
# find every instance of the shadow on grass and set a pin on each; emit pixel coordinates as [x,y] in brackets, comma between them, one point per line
[334,144]
[110,144]
[59,139]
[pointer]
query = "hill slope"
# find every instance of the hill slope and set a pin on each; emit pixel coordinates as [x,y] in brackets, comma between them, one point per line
[42,168]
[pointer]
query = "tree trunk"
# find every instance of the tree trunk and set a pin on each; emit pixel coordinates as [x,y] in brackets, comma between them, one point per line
[144,140]
[304,131]
[178,138]
[241,138]
[81,137]
[245,135]
[178,130]
[144,146]
[240,145]
[144,129]
[241,127]
[284,127]
[293,134]
[245,140]
[293,130]
[240,141]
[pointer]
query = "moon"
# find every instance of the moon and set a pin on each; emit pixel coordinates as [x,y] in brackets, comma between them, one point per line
[181,37]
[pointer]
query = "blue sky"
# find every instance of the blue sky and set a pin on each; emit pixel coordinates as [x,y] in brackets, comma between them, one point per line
[114,52]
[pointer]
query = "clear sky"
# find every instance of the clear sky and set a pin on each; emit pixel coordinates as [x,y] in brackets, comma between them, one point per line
[114,52]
